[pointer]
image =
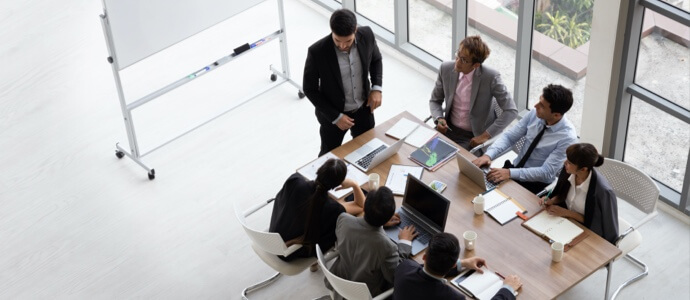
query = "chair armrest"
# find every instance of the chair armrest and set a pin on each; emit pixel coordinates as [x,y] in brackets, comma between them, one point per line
[292,249]
[428,118]
[384,295]
[624,234]
[255,208]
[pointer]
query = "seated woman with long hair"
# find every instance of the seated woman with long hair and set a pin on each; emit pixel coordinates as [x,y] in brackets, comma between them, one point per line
[304,214]
[583,194]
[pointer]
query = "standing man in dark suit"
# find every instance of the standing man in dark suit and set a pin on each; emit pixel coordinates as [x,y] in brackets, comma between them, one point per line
[414,281]
[469,90]
[336,79]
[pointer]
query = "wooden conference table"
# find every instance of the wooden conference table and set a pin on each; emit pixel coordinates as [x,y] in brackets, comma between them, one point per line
[508,249]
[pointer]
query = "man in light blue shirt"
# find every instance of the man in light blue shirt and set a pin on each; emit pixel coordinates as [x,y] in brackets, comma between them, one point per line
[547,134]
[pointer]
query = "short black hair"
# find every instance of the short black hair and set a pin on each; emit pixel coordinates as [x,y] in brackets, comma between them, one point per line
[442,254]
[560,99]
[343,22]
[379,206]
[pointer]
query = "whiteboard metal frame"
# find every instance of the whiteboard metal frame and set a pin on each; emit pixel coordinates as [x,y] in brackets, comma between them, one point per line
[134,151]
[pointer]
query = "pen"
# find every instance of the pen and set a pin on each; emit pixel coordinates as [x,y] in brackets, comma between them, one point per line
[443,122]
[547,197]
[499,275]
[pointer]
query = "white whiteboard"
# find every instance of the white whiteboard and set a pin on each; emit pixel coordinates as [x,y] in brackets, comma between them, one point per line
[140,28]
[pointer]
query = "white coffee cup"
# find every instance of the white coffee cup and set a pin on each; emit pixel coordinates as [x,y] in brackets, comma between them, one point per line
[470,238]
[478,205]
[374,181]
[557,251]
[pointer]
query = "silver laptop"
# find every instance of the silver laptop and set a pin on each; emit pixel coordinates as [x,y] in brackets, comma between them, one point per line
[475,173]
[373,153]
[424,208]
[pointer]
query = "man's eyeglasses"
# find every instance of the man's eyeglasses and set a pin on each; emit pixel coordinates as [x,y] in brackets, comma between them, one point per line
[462,59]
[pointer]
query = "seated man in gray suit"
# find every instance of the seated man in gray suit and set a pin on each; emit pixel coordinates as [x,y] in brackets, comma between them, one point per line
[468,89]
[366,253]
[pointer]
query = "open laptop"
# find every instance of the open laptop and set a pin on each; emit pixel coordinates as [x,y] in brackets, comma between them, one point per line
[424,208]
[373,153]
[475,173]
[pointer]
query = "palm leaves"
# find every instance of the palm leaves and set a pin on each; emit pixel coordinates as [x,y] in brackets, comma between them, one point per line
[572,31]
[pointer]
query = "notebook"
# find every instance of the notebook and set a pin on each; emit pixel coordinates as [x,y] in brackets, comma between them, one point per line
[309,172]
[434,154]
[424,208]
[479,286]
[554,228]
[501,207]
[373,153]
[417,134]
[475,173]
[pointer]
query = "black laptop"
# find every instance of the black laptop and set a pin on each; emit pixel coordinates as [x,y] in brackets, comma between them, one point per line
[424,208]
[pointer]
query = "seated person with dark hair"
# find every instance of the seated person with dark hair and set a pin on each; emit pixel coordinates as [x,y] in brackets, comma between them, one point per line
[414,281]
[547,134]
[583,194]
[366,253]
[304,214]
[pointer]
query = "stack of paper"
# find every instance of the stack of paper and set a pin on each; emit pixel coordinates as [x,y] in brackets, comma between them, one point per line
[309,172]
[417,134]
[397,177]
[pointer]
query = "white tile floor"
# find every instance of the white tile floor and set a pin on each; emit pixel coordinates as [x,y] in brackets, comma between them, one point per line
[75,222]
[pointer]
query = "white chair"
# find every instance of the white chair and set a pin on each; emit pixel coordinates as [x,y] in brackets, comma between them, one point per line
[641,192]
[346,288]
[268,245]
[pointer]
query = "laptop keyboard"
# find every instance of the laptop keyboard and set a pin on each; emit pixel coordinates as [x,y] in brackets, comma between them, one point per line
[422,236]
[365,161]
[489,184]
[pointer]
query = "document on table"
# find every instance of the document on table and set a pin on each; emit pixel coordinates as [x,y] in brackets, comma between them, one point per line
[501,207]
[397,177]
[555,228]
[415,137]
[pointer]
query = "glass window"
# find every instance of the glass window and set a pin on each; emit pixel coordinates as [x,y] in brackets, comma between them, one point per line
[560,47]
[663,55]
[431,27]
[682,4]
[379,12]
[497,25]
[657,143]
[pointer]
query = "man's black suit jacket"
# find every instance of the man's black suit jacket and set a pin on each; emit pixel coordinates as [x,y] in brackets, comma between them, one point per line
[322,82]
[411,282]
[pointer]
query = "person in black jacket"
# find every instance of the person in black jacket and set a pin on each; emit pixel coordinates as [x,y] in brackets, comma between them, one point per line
[583,194]
[336,79]
[414,281]
[304,214]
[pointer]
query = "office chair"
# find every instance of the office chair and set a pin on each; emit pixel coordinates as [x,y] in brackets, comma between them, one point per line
[346,288]
[268,245]
[639,190]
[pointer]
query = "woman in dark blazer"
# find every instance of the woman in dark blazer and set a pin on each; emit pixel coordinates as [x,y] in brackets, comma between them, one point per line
[304,214]
[583,194]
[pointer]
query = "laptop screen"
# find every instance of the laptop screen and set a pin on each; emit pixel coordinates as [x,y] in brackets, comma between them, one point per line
[426,203]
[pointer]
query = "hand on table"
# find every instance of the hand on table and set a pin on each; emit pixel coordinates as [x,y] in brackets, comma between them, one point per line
[408,233]
[498,175]
[395,220]
[481,161]
[475,263]
[480,139]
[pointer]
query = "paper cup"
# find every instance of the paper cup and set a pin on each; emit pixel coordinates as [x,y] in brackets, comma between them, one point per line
[374,181]
[470,238]
[478,205]
[557,251]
